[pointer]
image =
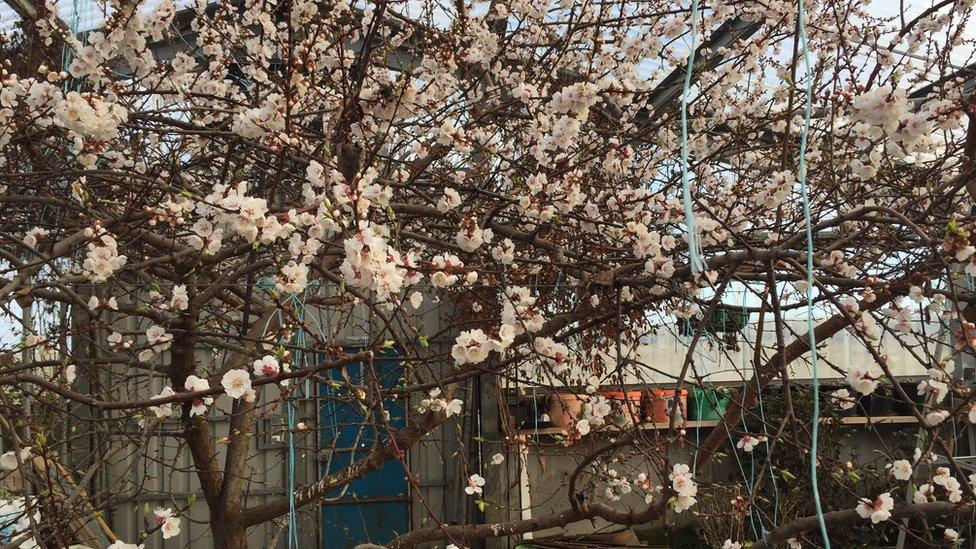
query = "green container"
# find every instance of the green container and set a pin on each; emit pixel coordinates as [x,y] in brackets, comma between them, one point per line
[706,404]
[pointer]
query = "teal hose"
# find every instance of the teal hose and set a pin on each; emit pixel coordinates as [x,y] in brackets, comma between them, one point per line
[292,515]
[802,176]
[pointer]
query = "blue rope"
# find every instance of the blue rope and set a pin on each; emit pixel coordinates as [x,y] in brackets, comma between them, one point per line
[694,245]
[732,443]
[292,515]
[266,283]
[802,176]
[292,520]
[762,418]
[753,513]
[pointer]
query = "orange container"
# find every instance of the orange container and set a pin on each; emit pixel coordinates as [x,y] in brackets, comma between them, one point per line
[659,402]
[626,404]
[565,409]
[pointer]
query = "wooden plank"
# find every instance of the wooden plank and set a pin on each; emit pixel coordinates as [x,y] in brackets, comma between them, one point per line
[712,423]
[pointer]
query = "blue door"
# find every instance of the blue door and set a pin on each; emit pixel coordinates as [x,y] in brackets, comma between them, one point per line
[375,508]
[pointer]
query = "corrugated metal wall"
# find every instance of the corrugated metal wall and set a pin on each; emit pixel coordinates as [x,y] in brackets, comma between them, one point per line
[161,473]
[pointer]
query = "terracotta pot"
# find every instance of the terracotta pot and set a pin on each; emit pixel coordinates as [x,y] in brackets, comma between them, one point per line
[626,406]
[659,404]
[565,409]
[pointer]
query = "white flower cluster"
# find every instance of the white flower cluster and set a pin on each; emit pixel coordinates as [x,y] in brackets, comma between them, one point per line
[473,346]
[198,406]
[777,189]
[436,403]
[653,246]
[684,486]
[444,265]
[836,260]
[266,120]
[482,43]
[912,135]
[617,486]
[362,195]
[595,412]
[575,99]
[843,398]
[180,300]
[110,303]
[159,340]
[102,258]
[901,469]
[645,483]
[237,384]
[292,278]
[449,201]
[748,443]
[229,208]
[519,310]
[268,365]
[205,237]
[371,263]
[881,108]
[171,212]
[936,416]
[968,255]
[878,510]
[470,237]
[475,485]
[35,235]
[504,252]
[118,341]
[937,384]
[89,116]
[942,482]
[864,378]
[127,42]
[902,317]
[165,409]
[554,356]
[169,525]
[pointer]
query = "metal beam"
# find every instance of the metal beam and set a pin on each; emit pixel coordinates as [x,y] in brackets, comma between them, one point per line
[968,73]
[24,8]
[728,33]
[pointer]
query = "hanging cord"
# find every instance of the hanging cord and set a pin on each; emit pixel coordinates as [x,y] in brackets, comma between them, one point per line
[728,433]
[762,411]
[772,478]
[265,283]
[299,358]
[754,513]
[742,471]
[802,176]
[703,358]
[694,245]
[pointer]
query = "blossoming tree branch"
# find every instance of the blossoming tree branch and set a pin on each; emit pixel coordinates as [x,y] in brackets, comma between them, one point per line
[199,201]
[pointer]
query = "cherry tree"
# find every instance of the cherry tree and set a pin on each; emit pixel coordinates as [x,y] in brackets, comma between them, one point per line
[187,189]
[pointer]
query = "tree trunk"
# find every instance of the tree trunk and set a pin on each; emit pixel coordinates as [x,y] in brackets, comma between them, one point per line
[229,531]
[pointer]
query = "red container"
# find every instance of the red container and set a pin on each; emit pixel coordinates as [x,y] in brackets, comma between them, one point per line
[626,405]
[565,409]
[659,402]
